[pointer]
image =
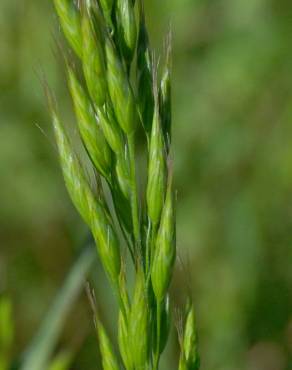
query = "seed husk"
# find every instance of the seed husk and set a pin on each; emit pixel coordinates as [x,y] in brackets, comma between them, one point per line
[93,58]
[165,248]
[157,169]
[120,90]
[91,132]
[70,21]
[127,28]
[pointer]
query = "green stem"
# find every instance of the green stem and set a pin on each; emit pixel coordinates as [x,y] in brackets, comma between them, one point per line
[134,192]
[158,319]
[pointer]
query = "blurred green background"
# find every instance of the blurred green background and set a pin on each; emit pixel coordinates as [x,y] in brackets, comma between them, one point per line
[233,165]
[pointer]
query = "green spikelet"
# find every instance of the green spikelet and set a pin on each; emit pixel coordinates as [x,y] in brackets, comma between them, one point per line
[108,246]
[156,185]
[165,250]
[127,28]
[190,340]
[111,129]
[70,22]
[74,176]
[165,96]
[92,211]
[190,358]
[120,90]
[144,74]
[139,323]
[91,133]
[94,59]
[109,360]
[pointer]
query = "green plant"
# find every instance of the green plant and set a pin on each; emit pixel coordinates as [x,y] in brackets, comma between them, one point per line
[117,89]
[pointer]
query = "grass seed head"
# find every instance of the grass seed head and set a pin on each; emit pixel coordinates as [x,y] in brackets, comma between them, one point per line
[104,34]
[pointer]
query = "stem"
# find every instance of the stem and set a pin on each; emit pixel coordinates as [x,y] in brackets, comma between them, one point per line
[158,319]
[134,195]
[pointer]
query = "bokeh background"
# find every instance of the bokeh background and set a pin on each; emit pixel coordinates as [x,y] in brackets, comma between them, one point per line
[233,163]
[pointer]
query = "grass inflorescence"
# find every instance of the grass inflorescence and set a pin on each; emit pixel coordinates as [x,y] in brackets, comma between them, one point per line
[118,90]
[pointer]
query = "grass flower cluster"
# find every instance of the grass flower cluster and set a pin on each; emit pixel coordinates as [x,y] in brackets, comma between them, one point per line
[117,91]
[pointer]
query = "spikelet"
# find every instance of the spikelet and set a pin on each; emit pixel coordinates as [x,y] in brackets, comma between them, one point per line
[156,185]
[91,133]
[139,323]
[111,129]
[127,28]
[121,93]
[144,74]
[189,357]
[165,249]
[94,66]
[92,211]
[70,22]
